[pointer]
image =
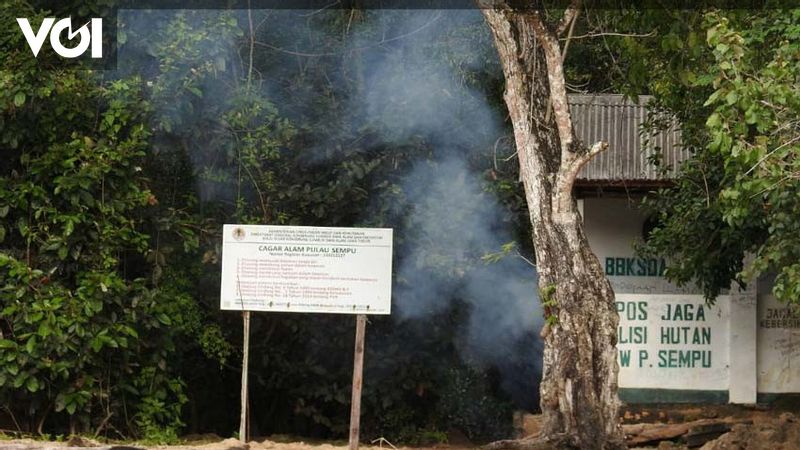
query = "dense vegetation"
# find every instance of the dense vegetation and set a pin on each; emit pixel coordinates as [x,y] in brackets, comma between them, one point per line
[114,186]
[733,80]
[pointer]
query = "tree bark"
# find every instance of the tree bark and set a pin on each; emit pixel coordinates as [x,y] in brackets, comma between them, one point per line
[579,380]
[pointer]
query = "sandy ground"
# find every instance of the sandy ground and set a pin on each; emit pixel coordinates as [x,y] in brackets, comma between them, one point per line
[226,444]
[755,429]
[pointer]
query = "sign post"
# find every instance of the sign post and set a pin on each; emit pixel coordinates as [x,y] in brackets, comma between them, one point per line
[307,270]
[358,370]
[245,358]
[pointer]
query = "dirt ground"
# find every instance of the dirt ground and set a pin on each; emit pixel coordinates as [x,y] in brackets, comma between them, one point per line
[225,444]
[661,427]
[722,427]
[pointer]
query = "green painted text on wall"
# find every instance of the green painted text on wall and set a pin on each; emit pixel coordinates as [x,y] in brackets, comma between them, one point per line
[635,267]
[671,329]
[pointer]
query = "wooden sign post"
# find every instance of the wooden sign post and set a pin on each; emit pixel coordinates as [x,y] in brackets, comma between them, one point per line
[245,357]
[358,370]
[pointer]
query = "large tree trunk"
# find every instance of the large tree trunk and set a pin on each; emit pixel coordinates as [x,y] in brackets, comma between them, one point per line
[579,381]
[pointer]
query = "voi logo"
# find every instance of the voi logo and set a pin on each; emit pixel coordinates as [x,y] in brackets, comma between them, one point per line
[88,36]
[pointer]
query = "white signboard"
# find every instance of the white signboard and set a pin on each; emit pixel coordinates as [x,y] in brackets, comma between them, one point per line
[673,342]
[306,269]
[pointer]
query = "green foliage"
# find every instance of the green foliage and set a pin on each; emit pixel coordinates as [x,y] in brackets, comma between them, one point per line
[88,336]
[113,190]
[159,411]
[550,304]
[68,306]
[505,250]
[738,99]
[468,404]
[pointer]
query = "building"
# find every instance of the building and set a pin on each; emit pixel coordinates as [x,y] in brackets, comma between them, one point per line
[673,347]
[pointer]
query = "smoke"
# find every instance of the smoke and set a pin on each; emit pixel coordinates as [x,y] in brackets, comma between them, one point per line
[417,88]
[412,80]
[412,89]
[451,223]
[504,326]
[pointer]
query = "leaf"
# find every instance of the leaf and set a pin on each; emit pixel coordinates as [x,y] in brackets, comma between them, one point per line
[44,329]
[60,403]
[6,343]
[751,115]
[32,384]
[19,99]
[30,346]
[131,332]
[97,344]
[163,318]
[195,90]
[713,120]
[20,379]
[732,97]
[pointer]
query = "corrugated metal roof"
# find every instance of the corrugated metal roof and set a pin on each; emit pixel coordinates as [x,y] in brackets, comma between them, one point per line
[611,118]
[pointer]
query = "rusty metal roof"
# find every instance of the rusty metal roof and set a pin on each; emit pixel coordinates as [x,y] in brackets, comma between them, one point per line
[611,118]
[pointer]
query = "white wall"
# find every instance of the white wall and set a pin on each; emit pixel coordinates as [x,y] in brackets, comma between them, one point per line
[778,347]
[612,225]
[673,342]
[694,353]
[752,339]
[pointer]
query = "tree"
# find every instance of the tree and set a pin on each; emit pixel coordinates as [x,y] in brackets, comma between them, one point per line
[579,386]
[737,195]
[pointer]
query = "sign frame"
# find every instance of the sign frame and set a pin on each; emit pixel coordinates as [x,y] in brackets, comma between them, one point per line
[282,268]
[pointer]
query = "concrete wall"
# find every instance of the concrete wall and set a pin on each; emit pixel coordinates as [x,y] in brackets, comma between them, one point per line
[778,347]
[673,341]
[613,225]
[674,347]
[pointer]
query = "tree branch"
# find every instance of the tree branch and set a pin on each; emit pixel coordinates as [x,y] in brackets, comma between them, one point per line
[569,16]
[569,36]
[558,88]
[608,33]
[584,158]
[351,50]
[569,173]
